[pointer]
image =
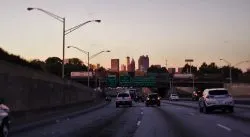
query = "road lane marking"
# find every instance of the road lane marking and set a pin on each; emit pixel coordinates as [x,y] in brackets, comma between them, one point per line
[178,108]
[191,113]
[141,113]
[224,127]
[138,123]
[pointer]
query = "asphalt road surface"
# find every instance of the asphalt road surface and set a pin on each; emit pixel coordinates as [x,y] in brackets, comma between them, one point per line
[168,120]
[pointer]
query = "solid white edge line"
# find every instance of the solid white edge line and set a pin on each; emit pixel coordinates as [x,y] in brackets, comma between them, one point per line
[138,123]
[224,127]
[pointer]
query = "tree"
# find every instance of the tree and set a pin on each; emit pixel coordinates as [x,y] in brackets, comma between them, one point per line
[54,65]
[101,69]
[155,69]
[186,69]
[75,61]
[38,64]
[236,72]
[212,68]
[74,64]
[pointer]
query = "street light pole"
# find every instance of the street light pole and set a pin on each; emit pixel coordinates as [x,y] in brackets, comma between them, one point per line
[63,48]
[88,69]
[85,52]
[230,68]
[65,32]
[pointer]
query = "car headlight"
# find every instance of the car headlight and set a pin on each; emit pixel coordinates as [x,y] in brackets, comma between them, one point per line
[147,98]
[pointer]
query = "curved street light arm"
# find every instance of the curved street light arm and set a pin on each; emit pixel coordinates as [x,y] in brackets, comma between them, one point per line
[96,54]
[241,62]
[226,62]
[85,52]
[78,26]
[49,13]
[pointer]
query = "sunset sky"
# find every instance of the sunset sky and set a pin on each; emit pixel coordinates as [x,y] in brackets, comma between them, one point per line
[204,30]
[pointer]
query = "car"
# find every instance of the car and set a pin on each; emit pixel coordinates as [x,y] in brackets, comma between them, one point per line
[173,97]
[123,98]
[216,98]
[4,120]
[153,99]
[108,98]
[196,95]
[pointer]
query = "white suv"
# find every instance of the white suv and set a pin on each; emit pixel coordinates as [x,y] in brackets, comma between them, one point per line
[173,97]
[123,98]
[216,98]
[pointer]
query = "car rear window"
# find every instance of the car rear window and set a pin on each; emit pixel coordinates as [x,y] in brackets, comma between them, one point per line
[153,95]
[123,95]
[218,92]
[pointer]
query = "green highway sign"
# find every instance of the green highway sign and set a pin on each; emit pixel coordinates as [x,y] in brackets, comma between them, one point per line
[144,81]
[125,81]
[111,81]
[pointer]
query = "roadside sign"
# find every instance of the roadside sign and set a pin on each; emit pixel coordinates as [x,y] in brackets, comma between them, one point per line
[111,80]
[125,81]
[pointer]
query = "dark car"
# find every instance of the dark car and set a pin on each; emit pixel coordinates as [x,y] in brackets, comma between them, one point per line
[4,120]
[153,99]
[108,98]
[196,95]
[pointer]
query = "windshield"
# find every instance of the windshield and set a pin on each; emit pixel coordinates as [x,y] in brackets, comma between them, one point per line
[123,95]
[218,92]
[153,96]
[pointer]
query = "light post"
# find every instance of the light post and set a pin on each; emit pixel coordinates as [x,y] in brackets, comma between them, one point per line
[230,68]
[65,32]
[85,52]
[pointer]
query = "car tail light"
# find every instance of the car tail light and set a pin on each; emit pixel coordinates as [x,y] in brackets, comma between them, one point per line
[229,96]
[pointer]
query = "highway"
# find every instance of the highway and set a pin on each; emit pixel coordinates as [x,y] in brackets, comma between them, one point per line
[175,119]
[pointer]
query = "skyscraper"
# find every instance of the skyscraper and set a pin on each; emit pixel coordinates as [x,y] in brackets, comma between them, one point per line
[115,65]
[128,63]
[132,65]
[143,63]
[123,67]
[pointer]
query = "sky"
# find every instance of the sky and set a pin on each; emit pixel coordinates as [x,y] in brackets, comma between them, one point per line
[172,30]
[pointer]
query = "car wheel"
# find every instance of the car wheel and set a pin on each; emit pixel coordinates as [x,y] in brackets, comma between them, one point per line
[117,106]
[158,104]
[231,110]
[4,130]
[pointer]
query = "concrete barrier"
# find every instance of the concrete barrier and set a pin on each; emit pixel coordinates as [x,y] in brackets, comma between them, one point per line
[23,94]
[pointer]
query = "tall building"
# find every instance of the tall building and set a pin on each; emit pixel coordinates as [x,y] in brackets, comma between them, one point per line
[180,69]
[143,63]
[132,65]
[123,67]
[115,65]
[128,63]
[171,70]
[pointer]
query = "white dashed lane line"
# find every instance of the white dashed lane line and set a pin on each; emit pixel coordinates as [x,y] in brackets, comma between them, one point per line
[224,127]
[141,113]
[192,114]
[138,123]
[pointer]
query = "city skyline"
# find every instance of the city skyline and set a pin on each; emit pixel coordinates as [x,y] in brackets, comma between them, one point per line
[166,29]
